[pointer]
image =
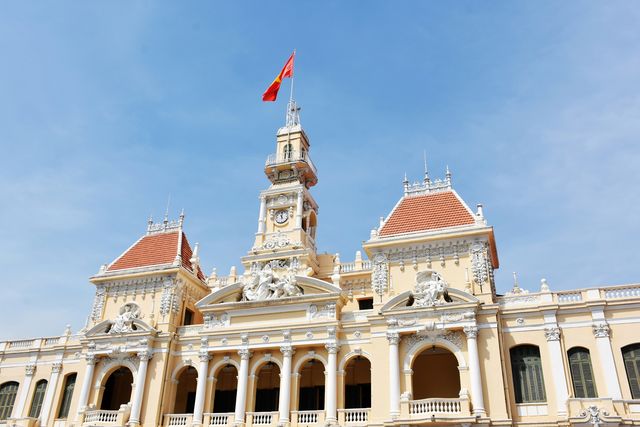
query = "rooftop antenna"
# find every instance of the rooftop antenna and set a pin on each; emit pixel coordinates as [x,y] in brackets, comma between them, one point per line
[166,212]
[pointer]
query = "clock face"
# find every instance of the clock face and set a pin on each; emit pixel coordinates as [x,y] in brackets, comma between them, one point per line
[282,217]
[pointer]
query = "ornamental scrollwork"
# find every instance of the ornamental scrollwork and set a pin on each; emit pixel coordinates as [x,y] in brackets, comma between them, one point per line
[98,303]
[479,264]
[380,275]
[212,321]
[453,337]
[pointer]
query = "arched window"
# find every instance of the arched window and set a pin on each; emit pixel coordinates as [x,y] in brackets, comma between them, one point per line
[357,383]
[67,394]
[581,373]
[631,357]
[528,380]
[8,393]
[38,397]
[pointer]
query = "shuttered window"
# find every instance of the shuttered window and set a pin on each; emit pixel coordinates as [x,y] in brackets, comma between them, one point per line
[631,357]
[38,398]
[581,373]
[8,393]
[528,380]
[67,394]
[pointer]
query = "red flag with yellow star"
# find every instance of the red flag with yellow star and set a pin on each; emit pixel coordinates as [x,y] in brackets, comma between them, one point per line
[287,71]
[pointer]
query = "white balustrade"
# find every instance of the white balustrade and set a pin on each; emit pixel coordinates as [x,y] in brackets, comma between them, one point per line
[569,297]
[263,418]
[176,420]
[223,419]
[358,416]
[51,341]
[101,416]
[308,417]
[435,406]
[20,343]
[626,292]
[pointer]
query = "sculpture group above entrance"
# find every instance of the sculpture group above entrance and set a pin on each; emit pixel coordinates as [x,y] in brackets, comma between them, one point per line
[430,290]
[271,283]
[124,321]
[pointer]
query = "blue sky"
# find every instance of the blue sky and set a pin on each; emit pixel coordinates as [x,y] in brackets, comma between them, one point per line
[107,108]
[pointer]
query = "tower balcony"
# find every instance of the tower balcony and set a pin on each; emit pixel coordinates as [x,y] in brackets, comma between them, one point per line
[298,160]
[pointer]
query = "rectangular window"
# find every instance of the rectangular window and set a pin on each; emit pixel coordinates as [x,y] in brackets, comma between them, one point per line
[38,398]
[365,304]
[188,317]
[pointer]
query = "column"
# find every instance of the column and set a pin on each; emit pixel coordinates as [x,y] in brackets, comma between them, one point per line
[141,377]
[86,384]
[51,389]
[394,374]
[477,399]
[332,387]
[243,378]
[603,344]
[201,387]
[29,370]
[552,333]
[262,215]
[299,208]
[285,383]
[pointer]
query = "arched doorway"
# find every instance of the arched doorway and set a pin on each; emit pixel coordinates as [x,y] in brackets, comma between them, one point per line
[117,389]
[268,388]
[357,383]
[435,374]
[224,398]
[186,391]
[311,396]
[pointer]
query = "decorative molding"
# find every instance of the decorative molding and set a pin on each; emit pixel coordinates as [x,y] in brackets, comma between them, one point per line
[479,262]
[98,303]
[593,415]
[327,311]
[457,316]
[601,330]
[454,337]
[552,333]
[212,321]
[168,302]
[30,369]
[380,275]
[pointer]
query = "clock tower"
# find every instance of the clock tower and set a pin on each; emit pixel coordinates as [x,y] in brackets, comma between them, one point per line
[288,213]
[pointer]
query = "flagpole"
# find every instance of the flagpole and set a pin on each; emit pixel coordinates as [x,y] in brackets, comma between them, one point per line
[292,76]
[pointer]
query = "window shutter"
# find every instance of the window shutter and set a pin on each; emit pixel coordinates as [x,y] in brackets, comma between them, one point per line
[631,356]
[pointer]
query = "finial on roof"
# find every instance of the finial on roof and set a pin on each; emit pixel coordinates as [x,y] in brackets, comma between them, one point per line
[448,176]
[426,169]
[544,286]
[405,184]
[166,212]
[181,220]
[195,259]
[516,285]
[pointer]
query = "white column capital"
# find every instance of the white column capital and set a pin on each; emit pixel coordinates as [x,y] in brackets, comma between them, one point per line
[145,355]
[245,354]
[56,367]
[471,332]
[30,369]
[287,351]
[332,347]
[393,337]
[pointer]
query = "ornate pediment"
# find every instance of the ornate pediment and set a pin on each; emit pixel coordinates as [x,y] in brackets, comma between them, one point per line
[269,286]
[128,320]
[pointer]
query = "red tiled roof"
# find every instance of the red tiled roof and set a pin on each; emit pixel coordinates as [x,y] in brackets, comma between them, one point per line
[155,249]
[427,212]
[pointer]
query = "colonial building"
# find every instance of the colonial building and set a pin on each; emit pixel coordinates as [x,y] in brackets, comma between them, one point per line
[411,334]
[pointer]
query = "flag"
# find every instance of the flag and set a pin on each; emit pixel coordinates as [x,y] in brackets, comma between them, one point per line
[287,71]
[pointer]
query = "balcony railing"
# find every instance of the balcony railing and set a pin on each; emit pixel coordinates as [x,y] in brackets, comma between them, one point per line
[101,416]
[290,157]
[354,417]
[262,418]
[438,408]
[307,418]
[177,420]
[220,419]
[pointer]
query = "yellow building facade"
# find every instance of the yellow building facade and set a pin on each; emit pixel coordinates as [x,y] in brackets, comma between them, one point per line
[412,334]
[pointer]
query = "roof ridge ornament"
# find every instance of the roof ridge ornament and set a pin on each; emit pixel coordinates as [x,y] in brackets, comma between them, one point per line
[427,185]
[166,224]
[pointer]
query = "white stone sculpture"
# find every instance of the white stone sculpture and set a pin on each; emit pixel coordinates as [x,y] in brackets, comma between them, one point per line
[267,284]
[124,321]
[430,290]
